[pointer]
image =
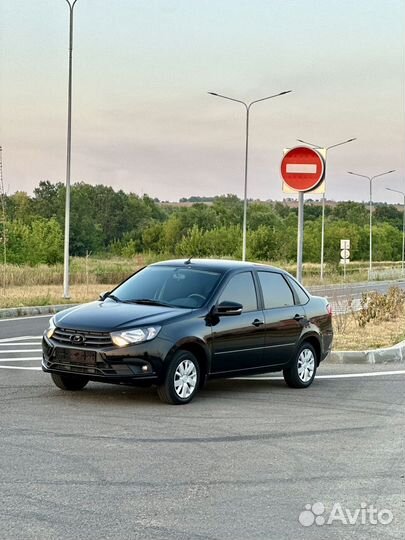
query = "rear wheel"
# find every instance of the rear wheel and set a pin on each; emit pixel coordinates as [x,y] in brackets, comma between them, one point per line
[302,371]
[69,382]
[181,380]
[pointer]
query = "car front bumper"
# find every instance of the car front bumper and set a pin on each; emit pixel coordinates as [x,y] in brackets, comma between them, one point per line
[110,364]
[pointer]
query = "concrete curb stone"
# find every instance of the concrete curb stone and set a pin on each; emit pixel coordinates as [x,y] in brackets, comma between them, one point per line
[30,311]
[396,353]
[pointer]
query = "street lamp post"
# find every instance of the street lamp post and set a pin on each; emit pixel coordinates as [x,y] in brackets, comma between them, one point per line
[66,294]
[370,179]
[403,225]
[247,107]
[325,149]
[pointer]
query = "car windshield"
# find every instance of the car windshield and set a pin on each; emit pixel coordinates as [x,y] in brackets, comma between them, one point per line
[168,286]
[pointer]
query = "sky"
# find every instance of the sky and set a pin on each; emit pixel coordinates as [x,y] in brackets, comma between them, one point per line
[144,122]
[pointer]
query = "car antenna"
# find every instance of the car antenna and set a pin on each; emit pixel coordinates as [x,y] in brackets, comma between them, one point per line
[188,261]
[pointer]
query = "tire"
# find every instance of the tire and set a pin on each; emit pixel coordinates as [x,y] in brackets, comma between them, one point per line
[173,389]
[69,382]
[301,372]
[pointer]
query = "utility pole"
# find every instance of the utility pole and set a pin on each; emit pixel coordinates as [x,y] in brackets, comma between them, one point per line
[403,226]
[325,150]
[3,220]
[370,179]
[66,294]
[247,107]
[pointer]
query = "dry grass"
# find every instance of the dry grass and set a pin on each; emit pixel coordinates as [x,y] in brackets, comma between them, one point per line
[115,269]
[376,334]
[42,295]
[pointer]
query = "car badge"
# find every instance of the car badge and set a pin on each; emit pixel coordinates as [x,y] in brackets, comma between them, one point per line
[77,338]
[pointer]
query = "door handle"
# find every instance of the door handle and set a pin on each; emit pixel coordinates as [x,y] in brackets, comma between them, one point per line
[298,317]
[257,322]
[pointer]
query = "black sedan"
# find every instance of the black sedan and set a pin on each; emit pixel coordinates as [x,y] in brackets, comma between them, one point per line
[177,323]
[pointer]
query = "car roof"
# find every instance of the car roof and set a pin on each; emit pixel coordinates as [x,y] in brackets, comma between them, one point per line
[219,265]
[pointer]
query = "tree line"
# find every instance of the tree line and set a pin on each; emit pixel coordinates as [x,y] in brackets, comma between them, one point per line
[105,221]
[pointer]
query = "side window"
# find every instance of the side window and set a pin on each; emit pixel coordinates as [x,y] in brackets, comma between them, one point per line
[299,291]
[241,288]
[276,292]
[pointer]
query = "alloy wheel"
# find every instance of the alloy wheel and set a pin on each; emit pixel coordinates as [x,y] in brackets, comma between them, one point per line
[306,365]
[185,378]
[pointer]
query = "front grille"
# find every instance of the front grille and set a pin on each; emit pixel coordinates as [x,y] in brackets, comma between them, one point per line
[88,339]
[100,368]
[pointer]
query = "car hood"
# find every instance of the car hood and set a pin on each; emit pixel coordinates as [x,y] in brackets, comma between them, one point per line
[108,316]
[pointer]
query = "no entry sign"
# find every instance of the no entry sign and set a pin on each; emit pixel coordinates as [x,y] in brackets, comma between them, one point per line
[302,168]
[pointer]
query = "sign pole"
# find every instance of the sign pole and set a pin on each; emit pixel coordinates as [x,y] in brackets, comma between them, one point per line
[300,236]
[302,170]
[344,255]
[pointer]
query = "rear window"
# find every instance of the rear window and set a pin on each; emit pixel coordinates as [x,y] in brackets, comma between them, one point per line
[302,296]
[276,292]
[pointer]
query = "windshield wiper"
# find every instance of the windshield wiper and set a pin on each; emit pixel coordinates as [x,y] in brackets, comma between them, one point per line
[113,297]
[148,301]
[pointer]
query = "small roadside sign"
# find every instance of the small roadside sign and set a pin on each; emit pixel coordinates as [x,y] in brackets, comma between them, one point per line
[344,254]
[302,169]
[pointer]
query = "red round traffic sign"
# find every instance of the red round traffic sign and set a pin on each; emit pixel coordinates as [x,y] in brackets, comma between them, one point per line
[302,168]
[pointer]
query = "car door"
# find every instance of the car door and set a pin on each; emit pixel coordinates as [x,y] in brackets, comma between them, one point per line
[283,318]
[238,341]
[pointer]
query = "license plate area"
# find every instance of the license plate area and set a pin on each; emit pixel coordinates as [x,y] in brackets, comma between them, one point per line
[75,357]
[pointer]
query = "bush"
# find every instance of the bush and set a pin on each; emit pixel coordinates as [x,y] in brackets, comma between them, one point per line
[41,242]
[380,307]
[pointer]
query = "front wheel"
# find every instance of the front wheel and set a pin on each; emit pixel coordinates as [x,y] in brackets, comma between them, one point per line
[181,380]
[69,382]
[301,372]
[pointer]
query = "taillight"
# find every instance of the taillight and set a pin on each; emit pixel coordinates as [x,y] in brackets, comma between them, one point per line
[329,309]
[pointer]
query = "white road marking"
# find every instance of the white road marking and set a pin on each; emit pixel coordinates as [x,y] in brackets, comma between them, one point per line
[306,168]
[25,344]
[371,374]
[21,359]
[20,367]
[21,338]
[19,351]
[338,376]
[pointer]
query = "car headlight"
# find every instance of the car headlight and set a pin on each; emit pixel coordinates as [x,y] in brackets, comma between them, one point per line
[51,328]
[137,335]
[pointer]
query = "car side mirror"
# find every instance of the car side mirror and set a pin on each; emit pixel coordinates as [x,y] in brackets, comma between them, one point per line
[104,295]
[228,308]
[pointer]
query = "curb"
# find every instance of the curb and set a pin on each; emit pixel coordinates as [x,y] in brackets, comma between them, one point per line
[6,313]
[396,354]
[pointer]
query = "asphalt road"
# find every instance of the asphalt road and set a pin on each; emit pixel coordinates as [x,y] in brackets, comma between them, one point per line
[346,296]
[346,290]
[240,462]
